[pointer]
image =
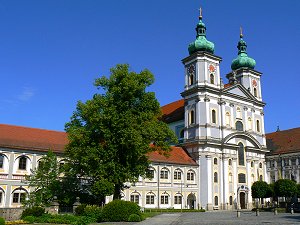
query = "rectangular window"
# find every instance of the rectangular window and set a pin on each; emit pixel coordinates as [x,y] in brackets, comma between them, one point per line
[164,174]
[190,176]
[22,163]
[151,174]
[150,199]
[177,175]
[16,198]
[164,199]
[177,200]
[134,198]
[242,178]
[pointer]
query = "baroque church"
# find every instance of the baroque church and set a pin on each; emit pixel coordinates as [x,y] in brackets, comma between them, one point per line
[220,128]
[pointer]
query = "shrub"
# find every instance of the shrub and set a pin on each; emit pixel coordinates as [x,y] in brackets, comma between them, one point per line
[93,211]
[79,210]
[33,211]
[134,218]
[84,220]
[119,210]
[2,221]
[29,219]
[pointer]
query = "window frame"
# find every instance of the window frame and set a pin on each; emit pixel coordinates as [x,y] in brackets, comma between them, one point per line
[22,165]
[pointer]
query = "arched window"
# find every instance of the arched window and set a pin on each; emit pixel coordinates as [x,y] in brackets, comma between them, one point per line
[252,164]
[227,118]
[216,177]
[192,117]
[164,199]
[215,161]
[261,178]
[177,174]
[249,123]
[239,126]
[230,200]
[255,92]
[260,165]
[1,161]
[135,197]
[241,154]
[190,175]
[212,79]
[216,200]
[150,198]
[22,163]
[19,195]
[230,162]
[177,199]
[257,126]
[150,173]
[213,116]
[238,113]
[164,173]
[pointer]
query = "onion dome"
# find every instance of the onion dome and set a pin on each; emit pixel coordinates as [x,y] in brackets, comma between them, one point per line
[201,43]
[242,60]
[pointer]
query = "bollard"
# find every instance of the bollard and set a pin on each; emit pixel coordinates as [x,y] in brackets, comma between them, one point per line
[275,211]
[238,213]
[292,211]
[257,212]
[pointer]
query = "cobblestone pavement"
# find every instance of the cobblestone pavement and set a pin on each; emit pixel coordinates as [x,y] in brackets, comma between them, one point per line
[219,217]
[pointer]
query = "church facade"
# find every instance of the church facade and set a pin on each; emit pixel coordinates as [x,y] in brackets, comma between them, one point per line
[221,125]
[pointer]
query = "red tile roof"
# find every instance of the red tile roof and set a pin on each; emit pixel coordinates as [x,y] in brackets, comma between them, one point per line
[31,138]
[176,156]
[25,138]
[286,141]
[173,112]
[227,85]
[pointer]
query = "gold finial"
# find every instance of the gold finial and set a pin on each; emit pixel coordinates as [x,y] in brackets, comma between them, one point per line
[241,32]
[200,16]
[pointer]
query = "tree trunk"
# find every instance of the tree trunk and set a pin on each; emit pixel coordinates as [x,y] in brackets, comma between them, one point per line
[117,191]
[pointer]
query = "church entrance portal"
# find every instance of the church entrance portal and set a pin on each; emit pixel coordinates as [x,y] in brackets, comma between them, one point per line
[242,200]
[191,201]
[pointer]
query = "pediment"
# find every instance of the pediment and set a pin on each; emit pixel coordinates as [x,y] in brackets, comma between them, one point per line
[239,90]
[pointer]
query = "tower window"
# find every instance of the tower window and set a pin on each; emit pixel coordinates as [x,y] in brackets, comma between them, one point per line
[230,200]
[230,162]
[215,161]
[239,126]
[191,79]
[213,116]
[192,117]
[212,79]
[241,154]
[257,126]
[255,92]
[216,177]
[216,200]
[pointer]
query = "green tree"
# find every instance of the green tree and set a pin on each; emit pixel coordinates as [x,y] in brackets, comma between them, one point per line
[260,189]
[285,188]
[111,134]
[44,181]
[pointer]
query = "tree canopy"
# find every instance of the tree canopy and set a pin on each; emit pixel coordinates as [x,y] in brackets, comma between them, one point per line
[260,189]
[285,188]
[111,134]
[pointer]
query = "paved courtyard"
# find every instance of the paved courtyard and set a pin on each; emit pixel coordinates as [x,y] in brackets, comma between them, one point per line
[220,217]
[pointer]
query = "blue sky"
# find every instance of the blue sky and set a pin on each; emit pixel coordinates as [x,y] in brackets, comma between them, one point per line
[52,50]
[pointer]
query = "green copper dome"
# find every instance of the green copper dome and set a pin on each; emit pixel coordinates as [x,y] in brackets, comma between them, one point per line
[201,43]
[242,60]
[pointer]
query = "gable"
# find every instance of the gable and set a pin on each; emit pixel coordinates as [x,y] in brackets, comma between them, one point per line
[237,91]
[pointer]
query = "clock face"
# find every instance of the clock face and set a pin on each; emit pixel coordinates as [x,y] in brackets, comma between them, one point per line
[211,68]
[254,83]
[191,69]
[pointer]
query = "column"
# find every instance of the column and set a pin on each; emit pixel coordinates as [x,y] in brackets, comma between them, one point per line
[235,181]
[249,198]
[209,183]
[225,182]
